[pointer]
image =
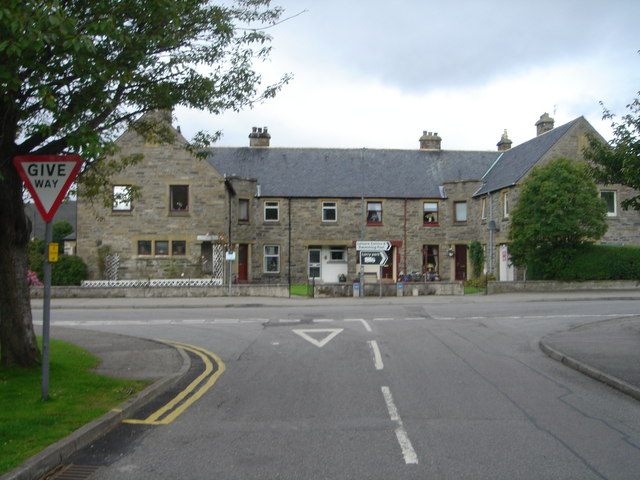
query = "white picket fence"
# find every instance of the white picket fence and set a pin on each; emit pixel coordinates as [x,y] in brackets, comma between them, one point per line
[163,282]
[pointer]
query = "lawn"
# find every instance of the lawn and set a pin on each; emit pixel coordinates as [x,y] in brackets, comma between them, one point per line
[76,396]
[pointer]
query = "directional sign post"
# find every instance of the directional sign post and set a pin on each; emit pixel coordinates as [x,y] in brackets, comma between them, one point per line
[48,178]
[371,250]
[373,258]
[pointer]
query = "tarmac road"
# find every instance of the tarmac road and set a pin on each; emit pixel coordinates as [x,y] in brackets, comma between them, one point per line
[430,388]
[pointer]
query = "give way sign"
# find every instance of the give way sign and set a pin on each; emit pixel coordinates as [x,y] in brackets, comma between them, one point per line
[48,178]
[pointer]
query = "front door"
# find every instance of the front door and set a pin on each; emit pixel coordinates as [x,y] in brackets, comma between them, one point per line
[461,263]
[387,269]
[315,262]
[243,269]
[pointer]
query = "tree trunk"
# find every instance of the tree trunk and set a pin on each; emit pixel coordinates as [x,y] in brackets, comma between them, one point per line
[17,339]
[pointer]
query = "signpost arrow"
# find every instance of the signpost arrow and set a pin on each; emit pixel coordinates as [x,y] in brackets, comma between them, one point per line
[373,258]
[48,178]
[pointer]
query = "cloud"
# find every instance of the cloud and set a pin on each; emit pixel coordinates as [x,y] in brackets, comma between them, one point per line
[376,74]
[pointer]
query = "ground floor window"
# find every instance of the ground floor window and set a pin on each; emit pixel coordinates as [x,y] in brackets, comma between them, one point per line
[431,261]
[162,247]
[271,259]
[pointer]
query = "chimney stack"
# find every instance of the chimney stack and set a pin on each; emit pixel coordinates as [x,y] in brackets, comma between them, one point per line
[504,144]
[544,124]
[430,141]
[259,137]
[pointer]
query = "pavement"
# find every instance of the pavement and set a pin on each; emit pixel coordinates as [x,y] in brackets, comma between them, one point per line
[608,351]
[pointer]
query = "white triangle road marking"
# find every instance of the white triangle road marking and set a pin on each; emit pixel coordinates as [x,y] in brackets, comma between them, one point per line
[332,332]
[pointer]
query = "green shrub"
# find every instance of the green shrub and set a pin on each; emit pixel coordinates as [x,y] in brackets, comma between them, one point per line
[68,270]
[595,262]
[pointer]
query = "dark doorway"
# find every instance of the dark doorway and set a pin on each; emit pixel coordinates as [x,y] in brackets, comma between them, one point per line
[243,267]
[461,263]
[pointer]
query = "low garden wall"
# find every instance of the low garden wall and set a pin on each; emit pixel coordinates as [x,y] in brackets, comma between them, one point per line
[554,286]
[150,290]
[242,290]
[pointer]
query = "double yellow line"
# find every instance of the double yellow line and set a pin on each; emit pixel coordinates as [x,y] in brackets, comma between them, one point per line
[169,412]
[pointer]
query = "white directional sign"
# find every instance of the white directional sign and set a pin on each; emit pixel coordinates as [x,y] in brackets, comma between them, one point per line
[48,178]
[327,334]
[373,246]
[373,258]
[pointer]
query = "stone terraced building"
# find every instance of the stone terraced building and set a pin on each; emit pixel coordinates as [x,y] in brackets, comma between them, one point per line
[296,215]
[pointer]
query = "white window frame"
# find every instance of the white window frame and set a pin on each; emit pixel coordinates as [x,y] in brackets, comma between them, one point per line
[425,211]
[374,206]
[340,252]
[457,216]
[121,205]
[271,256]
[610,213]
[272,205]
[328,206]
[505,205]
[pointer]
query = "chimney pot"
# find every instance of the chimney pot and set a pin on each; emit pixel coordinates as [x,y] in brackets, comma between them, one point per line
[545,124]
[430,141]
[259,137]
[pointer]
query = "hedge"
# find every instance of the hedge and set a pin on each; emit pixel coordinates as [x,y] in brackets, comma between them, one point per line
[597,262]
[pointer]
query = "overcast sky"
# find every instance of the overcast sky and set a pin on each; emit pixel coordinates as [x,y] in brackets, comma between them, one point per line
[376,74]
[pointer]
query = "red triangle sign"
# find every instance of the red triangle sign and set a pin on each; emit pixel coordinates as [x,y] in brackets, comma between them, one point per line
[48,178]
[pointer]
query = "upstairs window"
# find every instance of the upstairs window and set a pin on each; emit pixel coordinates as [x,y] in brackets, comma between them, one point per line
[179,198]
[374,213]
[271,211]
[329,211]
[121,195]
[430,213]
[505,204]
[243,210]
[460,212]
[609,198]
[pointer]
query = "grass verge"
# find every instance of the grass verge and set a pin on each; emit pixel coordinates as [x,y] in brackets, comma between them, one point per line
[76,396]
[302,290]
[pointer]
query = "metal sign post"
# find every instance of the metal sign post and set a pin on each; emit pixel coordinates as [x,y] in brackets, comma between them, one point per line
[46,311]
[48,178]
[231,256]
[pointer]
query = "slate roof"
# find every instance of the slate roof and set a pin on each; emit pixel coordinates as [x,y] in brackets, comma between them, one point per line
[350,173]
[513,164]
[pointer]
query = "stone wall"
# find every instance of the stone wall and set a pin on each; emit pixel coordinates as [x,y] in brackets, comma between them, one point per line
[553,286]
[150,218]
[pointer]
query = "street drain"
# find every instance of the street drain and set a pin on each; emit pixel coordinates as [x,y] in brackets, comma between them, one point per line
[72,472]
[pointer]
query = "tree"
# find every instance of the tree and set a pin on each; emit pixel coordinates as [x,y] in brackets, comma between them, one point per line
[61,229]
[619,160]
[558,211]
[76,73]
